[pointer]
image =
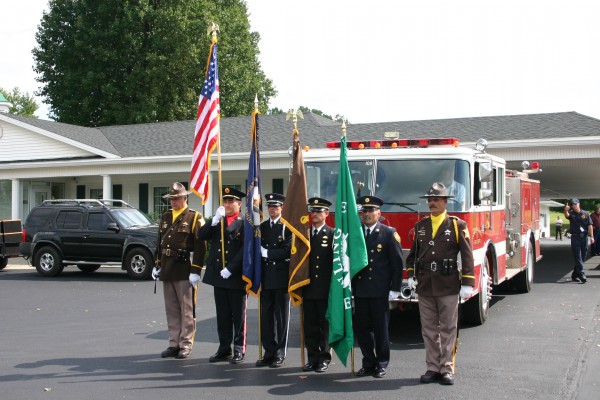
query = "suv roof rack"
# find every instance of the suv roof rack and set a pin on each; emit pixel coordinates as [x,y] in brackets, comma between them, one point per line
[90,202]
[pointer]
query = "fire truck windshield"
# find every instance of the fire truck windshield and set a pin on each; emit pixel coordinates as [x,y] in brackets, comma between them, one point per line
[399,183]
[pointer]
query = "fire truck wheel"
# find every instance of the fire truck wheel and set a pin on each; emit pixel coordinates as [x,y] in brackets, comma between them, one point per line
[524,279]
[475,310]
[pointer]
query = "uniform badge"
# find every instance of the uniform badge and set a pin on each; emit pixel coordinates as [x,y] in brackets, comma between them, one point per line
[164,225]
[447,232]
[397,237]
[379,247]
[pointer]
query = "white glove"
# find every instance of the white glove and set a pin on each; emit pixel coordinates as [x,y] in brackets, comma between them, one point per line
[465,291]
[412,283]
[155,273]
[194,279]
[225,273]
[393,295]
[263,252]
[220,213]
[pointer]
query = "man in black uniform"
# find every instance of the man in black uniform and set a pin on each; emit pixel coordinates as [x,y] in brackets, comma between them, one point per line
[432,262]
[316,294]
[581,228]
[374,286]
[179,264]
[229,288]
[276,244]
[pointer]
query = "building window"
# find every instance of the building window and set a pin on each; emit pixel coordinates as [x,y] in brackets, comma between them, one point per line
[160,205]
[96,194]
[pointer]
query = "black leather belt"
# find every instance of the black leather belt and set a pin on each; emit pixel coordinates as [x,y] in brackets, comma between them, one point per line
[437,266]
[169,252]
[582,234]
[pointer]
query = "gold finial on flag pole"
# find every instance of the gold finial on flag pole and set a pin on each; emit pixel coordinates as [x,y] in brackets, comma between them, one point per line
[256,102]
[294,114]
[213,29]
[344,128]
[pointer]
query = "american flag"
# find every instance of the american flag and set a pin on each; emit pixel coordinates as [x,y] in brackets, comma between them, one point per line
[207,128]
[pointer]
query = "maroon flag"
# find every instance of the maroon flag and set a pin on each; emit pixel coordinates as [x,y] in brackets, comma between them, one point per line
[207,127]
[295,218]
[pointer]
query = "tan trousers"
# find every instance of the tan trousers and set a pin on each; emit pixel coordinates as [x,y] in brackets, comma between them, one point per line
[179,305]
[439,317]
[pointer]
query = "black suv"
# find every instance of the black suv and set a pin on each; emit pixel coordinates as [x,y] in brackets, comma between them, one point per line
[88,233]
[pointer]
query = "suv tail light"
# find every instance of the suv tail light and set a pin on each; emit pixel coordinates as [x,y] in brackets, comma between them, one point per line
[23,235]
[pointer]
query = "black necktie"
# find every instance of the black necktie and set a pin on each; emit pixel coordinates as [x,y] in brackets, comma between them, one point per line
[271,224]
[368,233]
[315,232]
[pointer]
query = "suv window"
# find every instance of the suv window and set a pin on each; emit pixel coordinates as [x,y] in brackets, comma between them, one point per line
[69,219]
[98,221]
[39,217]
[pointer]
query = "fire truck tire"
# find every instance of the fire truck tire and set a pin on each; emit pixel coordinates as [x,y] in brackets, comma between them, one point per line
[475,310]
[524,279]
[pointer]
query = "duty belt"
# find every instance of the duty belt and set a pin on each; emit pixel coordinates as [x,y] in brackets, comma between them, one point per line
[435,266]
[169,252]
[582,234]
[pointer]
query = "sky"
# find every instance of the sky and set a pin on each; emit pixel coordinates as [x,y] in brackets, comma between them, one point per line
[398,60]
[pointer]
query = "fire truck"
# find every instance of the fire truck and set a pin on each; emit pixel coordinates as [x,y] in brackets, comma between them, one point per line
[500,206]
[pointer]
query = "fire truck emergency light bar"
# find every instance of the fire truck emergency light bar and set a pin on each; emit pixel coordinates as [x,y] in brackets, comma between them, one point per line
[393,144]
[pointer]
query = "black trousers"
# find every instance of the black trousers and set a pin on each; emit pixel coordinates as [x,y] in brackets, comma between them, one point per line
[231,319]
[274,321]
[371,327]
[316,330]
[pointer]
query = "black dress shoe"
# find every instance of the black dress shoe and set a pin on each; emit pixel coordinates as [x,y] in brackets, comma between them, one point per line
[379,372]
[170,352]
[575,278]
[309,367]
[237,358]
[263,362]
[277,362]
[184,353]
[217,357]
[447,378]
[582,278]
[430,377]
[322,367]
[365,372]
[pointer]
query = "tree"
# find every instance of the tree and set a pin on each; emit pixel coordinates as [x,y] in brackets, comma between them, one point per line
[22,103]
[123,62]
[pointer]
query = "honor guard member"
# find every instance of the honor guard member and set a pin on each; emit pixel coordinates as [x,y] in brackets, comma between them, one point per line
[276,245]
[580,229]
[374,286]
[315,295]
[229,288]
[432,262]
[179,261]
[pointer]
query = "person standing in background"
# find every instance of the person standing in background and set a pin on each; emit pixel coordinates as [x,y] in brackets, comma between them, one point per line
[580,229]
[596,222]
[558,225]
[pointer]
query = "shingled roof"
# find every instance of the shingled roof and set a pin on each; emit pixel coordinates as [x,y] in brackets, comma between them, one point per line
[175,138]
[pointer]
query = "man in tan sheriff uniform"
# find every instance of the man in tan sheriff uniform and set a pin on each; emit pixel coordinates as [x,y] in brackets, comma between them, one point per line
[178,265]
[432,262]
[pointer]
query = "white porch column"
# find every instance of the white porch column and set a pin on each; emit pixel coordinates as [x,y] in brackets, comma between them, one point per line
[17,199]
[106,187]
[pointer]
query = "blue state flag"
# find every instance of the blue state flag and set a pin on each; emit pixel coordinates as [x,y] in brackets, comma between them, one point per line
[252,267]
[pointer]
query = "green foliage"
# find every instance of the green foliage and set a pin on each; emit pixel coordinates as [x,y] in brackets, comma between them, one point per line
[136,61]
[22,103]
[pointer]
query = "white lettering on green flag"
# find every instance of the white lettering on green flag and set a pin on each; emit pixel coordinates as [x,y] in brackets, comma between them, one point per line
[349,257]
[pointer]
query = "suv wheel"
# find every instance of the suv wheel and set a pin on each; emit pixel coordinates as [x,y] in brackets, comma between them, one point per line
[48,261]
[138,263]
[3,262]
[88,268]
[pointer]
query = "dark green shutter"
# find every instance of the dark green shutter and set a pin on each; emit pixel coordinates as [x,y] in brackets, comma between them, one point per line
[143,197]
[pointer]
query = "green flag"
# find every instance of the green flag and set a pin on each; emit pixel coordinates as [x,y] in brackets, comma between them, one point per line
[349,257]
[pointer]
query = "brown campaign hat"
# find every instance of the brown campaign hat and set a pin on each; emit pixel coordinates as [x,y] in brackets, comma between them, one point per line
[437,190]
[176,190]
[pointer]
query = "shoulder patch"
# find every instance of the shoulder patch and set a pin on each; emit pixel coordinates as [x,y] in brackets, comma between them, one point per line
[466,233]
[397,237]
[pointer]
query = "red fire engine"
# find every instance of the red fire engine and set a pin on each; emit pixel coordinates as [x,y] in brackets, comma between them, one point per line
[500,206]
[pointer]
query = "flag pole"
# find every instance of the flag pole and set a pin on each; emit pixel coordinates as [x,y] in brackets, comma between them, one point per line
[260,353]
[213,29]
[294,114]
[352,348]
